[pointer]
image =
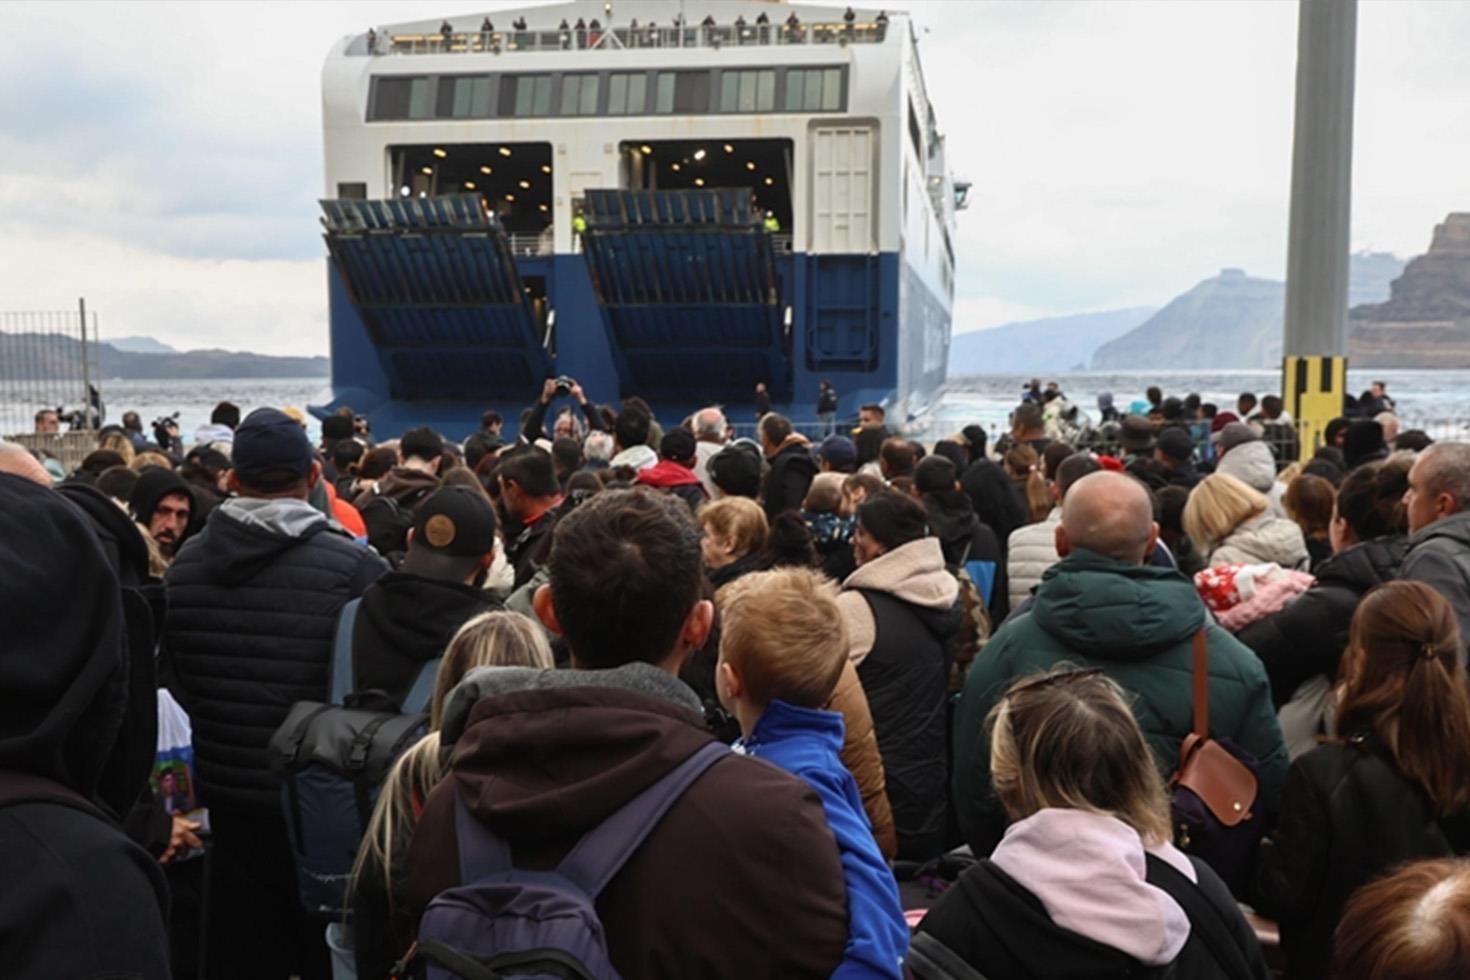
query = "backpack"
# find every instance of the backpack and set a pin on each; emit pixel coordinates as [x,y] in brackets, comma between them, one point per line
[388,523]
[332,759]
[502,922]
[976,582]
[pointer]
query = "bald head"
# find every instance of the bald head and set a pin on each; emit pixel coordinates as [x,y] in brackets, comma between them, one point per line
[1110,514]
[18,461]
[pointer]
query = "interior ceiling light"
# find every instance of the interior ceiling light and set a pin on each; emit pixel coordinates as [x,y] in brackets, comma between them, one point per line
[427,170]
[729,148]
[698,181]
[487,170]
[750,165]
[676,168]
[770,181]
[525,185]
[699,154]
[646,149]
[510,197]
[505,151]
[404,191]
[469,185]
[541,207]
[441,154]
[546,168]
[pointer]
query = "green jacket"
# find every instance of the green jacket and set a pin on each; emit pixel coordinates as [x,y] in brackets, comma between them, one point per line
[1137,623]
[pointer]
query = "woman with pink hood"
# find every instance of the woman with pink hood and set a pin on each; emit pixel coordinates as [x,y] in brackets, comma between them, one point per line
[1085,882]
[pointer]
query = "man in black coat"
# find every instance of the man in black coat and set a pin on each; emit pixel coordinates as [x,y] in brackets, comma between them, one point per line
[409,616]
[792,465]
[79,898]
[253,605]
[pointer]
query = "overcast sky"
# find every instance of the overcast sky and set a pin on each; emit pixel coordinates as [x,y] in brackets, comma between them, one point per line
[164,160]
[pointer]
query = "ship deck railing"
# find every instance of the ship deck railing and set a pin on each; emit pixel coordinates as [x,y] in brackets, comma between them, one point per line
[640,38]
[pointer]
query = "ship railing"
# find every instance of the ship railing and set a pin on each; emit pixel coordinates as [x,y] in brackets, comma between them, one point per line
[647,37]
[530,244]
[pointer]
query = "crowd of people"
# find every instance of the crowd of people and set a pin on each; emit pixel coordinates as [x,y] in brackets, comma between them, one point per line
[683,704]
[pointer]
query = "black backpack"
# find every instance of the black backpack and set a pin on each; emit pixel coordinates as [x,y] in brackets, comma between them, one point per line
[332,759]
[388,522]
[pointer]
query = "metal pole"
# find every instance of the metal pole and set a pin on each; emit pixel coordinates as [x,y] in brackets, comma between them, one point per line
[1314,362]
[86,367]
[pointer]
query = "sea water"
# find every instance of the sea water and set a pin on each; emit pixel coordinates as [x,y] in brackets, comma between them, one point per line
[1436,400]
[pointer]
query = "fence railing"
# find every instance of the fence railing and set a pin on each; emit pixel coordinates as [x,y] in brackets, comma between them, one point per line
[48,371]
[648,36]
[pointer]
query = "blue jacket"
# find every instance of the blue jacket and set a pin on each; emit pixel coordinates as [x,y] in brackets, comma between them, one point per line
[806,742]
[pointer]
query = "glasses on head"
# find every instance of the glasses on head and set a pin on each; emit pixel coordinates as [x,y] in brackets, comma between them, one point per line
[1050,680]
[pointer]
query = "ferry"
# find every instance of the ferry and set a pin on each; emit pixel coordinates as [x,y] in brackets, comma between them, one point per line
[678,201]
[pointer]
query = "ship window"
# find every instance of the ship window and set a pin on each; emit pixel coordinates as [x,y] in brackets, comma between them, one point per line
[627,94]
[748,91]
[682,92]
[814,90]
[403,97]
[579,95]
[468,97]
[525,95]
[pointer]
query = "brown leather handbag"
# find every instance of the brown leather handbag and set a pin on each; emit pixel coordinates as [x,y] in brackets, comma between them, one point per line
[1214,791]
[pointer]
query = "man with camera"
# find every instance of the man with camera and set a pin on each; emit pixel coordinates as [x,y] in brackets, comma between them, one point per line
[533,428]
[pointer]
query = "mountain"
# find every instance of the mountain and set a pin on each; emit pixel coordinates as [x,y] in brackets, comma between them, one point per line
[139,345]
[1426,319]
[57,356]
[1057,343]
[1233,321]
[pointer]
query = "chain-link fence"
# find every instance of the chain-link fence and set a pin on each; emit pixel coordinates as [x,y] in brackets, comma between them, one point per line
[48,372]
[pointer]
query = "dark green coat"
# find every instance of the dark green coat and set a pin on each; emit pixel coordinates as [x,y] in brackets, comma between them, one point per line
[1136,622]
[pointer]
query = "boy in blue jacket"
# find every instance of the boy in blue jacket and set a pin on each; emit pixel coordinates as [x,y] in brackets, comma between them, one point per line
[782,648]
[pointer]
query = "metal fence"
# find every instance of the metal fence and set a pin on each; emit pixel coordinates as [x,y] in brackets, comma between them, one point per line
[648,36]
[48,364]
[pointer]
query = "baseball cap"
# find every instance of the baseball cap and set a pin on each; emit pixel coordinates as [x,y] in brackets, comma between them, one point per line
[1234,434]
[422,442]
[838,450]
[1175,443]
[736,469]
[271,451]
[677,444]
[455,521]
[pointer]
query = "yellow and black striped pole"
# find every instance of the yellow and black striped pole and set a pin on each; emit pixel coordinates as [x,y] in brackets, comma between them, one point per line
[1312,389]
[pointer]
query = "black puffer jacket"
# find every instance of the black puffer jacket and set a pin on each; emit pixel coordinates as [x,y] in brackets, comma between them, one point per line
[1307,637]
[792,472]
[253,604]
[966,539]
[1347,815]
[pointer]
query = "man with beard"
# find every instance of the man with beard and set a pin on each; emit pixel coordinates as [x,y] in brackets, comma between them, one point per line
[161,503]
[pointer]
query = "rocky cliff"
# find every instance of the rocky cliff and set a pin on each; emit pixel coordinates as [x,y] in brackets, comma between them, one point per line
[1426,320]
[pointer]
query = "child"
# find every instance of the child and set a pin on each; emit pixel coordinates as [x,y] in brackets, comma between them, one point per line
[831,532]
[782,650]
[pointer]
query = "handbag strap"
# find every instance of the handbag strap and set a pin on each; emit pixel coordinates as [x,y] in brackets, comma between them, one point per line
[1201,685]
[342,680]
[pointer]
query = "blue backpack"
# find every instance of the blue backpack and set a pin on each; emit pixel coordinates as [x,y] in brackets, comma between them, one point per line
[501,922]
[332,759]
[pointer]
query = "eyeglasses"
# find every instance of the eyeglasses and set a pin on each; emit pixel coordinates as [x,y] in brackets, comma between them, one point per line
[1064,677]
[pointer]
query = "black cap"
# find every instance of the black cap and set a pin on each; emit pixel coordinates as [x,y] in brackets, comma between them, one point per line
[455,521]
[154,483]
[1175,443]
[271,451]
[422,442]
[336,427]
[736,469]
[677,444]
[838,450]
[935,474]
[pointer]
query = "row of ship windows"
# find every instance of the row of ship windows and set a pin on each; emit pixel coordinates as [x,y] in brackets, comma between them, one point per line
[721,90]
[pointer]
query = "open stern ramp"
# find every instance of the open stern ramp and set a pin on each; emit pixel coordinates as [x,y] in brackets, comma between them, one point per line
[689,292]
[435,284]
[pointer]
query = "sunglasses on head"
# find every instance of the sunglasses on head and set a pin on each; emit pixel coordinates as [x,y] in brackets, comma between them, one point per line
[1064,677]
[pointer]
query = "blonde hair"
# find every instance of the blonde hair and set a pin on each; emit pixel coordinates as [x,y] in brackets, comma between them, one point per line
[782,631]
[142,461]
[492,639]
[1023,464]
[1068,739]
[1216,507]
[120,443]
[739,520]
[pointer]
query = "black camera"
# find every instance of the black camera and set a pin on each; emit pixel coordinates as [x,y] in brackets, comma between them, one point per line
[564,385]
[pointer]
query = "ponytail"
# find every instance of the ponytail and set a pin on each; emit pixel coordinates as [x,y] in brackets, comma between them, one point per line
[1434,729]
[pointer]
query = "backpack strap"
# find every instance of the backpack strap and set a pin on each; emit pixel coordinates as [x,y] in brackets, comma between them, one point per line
[606,848]
[481,851]
[1205,918]
[342,653]
[423,688]
[23,787]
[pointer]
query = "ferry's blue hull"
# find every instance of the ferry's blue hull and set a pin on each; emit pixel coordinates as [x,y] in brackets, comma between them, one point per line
[854,320]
